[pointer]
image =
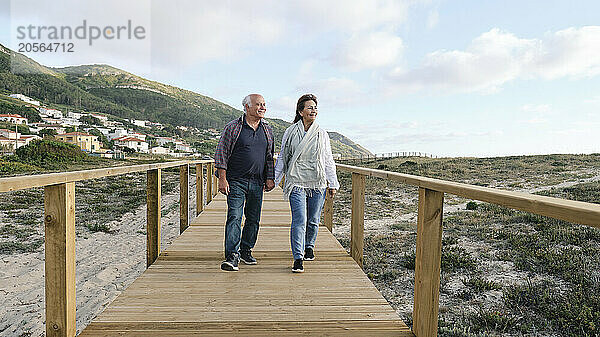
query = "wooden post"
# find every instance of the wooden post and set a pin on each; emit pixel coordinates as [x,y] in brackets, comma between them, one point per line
[199,188]
[59,226]
[209,181]
[215,182]
[427,263]
[184,208]
[357,232]
[153,216]
[328,212]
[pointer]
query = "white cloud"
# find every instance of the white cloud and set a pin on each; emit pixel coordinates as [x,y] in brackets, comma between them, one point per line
[349,16]
[433,19]
[497,57]
[337,90]
[537,108]
[188,32]
[368,50]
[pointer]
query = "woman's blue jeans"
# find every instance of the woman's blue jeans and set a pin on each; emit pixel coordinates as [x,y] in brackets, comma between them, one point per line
[244,198]
[306,205]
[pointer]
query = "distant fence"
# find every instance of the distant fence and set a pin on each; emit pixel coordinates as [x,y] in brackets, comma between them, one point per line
[388,155]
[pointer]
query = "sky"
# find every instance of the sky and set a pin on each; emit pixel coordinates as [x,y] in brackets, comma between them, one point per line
[449,78]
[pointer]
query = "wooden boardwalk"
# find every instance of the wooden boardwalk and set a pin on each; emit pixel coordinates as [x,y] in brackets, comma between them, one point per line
[185,293]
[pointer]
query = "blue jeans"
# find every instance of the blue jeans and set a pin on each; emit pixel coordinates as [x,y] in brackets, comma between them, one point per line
[306,205]
[249,192]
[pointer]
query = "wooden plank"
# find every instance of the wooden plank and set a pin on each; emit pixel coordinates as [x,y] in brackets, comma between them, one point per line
[427,262]
[153,192]
[199,188]
[574,211]
[185,293]
[59,226]
[40,180]
[357,230]
[184,207]
[328,212]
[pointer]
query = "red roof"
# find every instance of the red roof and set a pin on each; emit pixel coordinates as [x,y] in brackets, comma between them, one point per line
[7,130]
[12,115]
[129,139]
[77,133]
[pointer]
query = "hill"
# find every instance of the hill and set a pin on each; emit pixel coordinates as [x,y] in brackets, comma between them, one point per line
[124,95]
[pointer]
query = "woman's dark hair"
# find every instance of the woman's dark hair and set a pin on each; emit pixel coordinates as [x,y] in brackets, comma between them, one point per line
[300,105]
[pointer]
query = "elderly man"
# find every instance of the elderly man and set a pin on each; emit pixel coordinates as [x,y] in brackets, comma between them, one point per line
[244,162]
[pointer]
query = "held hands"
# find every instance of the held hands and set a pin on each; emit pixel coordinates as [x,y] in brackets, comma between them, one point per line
[223,185]
[331,192]
[269,185]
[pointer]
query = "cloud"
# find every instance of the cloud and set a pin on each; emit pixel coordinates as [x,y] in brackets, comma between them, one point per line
[537,108]
[409,135]
[188,32]
[368,50]
[497,57]
[433,19]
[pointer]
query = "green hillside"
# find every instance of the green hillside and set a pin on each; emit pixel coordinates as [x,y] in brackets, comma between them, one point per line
[106,89]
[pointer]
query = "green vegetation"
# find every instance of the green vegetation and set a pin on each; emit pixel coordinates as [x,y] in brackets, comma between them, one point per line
[50,154]
[504,272]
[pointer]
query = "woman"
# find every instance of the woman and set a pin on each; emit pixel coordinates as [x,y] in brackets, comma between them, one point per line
[306,161]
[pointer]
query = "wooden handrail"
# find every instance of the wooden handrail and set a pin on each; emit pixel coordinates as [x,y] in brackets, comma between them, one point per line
[429,227]
[40,180]
[569,210]
[59,225]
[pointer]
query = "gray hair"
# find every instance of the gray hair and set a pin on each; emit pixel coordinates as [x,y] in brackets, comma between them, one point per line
[246,101]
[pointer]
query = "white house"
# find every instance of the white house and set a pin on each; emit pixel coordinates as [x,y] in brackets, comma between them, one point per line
[50,113]
[9,134]
[8,139]
[116,133]
[164,140]
[139,122]
[13,118]
[70,122]
[103,119]
[137,135]
[76,115]
[25,99]
[159,150]
[133,143]
[183,147]
[36,127]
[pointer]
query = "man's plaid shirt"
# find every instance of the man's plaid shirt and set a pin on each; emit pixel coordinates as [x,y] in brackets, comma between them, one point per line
[230,134]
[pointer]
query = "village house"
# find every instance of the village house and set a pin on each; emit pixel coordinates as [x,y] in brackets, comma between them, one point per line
[13,118]
[159,150]
[103,119]
[133,143]
[8,138]
[85,141]
[37,127]
[25,99]
[53,113]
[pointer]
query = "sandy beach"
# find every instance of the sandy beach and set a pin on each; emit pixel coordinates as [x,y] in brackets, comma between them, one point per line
[105,265]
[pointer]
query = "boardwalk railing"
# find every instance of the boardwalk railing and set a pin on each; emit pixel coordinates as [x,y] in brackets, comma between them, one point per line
[59,225]
[388,155]
[429,227]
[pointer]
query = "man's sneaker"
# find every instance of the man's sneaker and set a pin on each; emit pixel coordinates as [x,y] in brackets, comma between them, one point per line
[298,268]
[309,254]
[231,263]
[247,258]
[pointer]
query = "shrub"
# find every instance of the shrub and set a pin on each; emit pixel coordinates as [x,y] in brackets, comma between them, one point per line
[47,153]
[471,205]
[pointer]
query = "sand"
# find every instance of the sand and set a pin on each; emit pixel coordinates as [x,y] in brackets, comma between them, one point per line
[105,265]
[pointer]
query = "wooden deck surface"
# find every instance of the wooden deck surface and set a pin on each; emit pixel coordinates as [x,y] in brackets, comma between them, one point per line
[185,293]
